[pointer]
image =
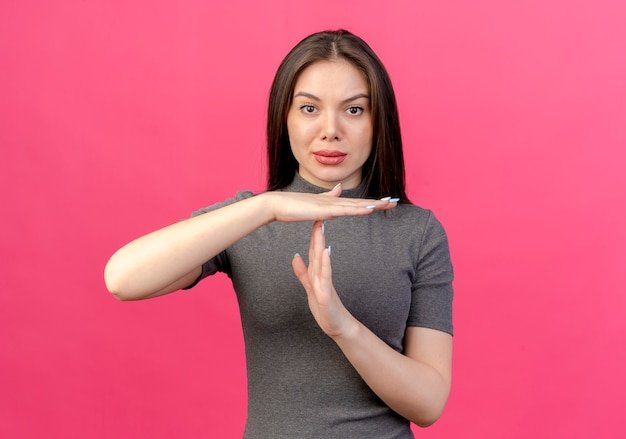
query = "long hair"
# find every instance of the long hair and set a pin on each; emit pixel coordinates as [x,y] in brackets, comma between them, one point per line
[383,171]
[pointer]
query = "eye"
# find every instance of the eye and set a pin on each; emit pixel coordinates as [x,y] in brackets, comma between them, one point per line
[354,110]
[308,109]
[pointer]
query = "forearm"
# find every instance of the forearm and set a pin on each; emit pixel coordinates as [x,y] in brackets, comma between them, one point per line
[416,390]
[157,263]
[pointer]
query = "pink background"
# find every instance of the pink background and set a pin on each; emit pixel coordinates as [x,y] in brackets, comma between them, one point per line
[119,117]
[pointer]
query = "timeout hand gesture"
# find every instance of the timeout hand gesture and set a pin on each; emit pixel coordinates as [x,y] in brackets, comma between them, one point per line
[326,306]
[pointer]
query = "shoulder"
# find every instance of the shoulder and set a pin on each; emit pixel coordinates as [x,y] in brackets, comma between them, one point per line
[412,211]
[414,216]
[239,196]
[418,226]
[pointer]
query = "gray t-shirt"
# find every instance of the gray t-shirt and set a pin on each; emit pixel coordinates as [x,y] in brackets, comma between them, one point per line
[391,270]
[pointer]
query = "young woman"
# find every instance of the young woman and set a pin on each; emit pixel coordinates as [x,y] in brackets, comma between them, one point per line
[359,341]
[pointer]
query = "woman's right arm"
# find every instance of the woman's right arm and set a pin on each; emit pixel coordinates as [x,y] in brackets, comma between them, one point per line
[171,258]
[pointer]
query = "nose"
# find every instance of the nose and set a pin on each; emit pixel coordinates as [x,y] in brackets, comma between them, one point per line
[330,126]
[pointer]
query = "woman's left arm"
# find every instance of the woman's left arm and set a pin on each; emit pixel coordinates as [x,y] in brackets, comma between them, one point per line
[415,384]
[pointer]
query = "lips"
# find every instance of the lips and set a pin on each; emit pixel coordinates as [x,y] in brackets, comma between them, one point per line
[327,157]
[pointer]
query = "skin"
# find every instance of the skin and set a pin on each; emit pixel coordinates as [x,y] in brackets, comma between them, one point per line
[416,383]
[330,114]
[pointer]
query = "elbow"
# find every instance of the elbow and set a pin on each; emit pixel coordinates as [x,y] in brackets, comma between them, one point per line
[113,287]
[434,404]
[427,419]
[115,284]
[118,294]
[433,412]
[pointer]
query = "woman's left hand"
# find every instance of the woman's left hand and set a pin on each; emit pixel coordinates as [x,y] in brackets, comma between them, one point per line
[330,314]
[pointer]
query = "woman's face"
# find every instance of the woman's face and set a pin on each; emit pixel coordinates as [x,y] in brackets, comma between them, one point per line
[330,124]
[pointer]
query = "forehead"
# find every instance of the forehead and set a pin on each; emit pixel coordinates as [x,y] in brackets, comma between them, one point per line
[338,76]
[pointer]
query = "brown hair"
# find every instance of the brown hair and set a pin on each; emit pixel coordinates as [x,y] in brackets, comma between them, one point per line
[383,172]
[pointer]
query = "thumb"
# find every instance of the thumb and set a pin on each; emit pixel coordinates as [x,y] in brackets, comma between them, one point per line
[336,191]
[301,272]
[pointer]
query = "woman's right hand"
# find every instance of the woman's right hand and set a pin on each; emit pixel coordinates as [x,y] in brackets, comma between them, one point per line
[296,206]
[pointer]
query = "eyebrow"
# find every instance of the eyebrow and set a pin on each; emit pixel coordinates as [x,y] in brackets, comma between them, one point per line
[315,98]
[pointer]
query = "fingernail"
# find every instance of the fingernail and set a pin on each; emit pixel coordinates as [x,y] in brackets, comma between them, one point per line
[329,250]
[385,199]
[371,206]
[337,185]
[323,226]
[394,200]
[297,255]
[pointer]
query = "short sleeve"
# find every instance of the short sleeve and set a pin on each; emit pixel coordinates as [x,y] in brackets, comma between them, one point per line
[432,292]
[220,262]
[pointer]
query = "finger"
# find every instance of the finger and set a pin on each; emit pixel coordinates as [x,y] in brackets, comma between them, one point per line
[301,272]
[391,202]
[326,274]
[321,278]
[368,203]
[385,203]
[316,247]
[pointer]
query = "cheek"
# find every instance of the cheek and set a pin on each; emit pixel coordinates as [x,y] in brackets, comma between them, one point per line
[367,146]
[292,123]
[300,133]
[367,138]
